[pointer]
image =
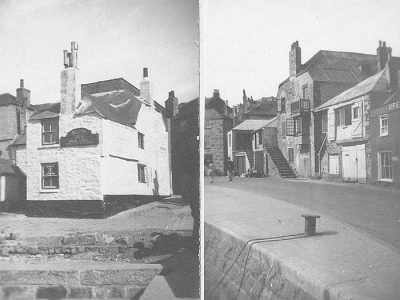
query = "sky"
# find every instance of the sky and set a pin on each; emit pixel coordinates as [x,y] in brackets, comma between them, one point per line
[247,42]
[116,39]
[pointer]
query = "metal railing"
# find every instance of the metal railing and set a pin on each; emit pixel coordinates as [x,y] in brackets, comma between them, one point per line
[302,105]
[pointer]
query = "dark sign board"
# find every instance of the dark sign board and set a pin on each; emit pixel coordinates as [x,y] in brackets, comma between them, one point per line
[79,137]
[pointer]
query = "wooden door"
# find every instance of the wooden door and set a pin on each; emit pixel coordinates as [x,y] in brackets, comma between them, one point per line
[349,164]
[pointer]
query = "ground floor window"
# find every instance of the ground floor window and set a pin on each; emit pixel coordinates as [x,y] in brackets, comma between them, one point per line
[385,166]
[291,154]
[141,173]
[333,166]
[208,158]
[50,176]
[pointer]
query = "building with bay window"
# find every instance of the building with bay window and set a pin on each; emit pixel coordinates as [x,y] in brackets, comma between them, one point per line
[102,149]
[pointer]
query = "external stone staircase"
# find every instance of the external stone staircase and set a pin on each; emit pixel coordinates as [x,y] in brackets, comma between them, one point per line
[250,157]
[282,166]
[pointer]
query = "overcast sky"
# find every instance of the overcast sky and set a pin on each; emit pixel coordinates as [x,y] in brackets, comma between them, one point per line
[248,41]
[116,39]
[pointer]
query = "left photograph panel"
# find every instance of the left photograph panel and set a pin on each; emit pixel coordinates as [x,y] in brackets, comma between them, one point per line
[99,149]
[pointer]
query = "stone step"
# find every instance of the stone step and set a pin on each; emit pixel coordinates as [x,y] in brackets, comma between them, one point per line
[75,279]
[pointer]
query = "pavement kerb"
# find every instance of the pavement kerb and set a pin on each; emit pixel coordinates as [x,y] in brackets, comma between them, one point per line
[356,268]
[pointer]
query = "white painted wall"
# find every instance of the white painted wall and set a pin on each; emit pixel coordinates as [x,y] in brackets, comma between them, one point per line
[121,155]
[79,167]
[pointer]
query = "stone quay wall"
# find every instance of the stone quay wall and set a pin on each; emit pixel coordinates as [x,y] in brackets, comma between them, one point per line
[230,273]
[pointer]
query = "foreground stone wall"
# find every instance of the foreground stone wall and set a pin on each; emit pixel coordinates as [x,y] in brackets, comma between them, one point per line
[224,277]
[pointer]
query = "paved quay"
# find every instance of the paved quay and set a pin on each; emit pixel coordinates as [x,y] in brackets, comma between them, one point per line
[339,262]
[158,215]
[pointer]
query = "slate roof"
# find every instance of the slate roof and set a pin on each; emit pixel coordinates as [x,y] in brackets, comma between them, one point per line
[114,99]
[218,104]
[188,108]
[265,106]
[7,99]
[340,67]
[253,124]
[377,82]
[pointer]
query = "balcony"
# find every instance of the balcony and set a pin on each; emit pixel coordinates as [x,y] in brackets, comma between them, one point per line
[300,106]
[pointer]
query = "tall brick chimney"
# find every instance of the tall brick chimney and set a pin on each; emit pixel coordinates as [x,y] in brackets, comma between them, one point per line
[171,104]
[146,88]
[294,59]
[245,101]
[391,73]
[24,101]
[70,81]
[382,55]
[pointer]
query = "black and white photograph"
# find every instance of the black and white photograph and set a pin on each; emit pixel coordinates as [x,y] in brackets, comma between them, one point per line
[301,149]
[99,149]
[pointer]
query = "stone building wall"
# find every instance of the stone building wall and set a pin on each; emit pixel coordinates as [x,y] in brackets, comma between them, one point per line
[8,128]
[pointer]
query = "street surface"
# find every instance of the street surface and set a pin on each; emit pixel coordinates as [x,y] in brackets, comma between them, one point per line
[371,210]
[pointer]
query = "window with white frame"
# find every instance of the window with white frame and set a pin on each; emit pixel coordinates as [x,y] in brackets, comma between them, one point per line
[50,176]
[333,164]
[141,173]
[140,140]
[298,126]
[324,121]
[383,125]
[385,166]
[50,131]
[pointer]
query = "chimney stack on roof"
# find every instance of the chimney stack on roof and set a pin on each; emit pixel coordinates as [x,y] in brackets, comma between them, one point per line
[392,74]
[71,58]
[146,88]
[382,55]
[294,59]
[70,81]
[24,101]
[244,101]
[172,104]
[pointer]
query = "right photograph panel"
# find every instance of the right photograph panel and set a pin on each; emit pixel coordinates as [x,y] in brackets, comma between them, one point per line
[301,150]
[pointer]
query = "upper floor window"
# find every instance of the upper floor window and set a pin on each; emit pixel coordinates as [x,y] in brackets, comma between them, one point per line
[260,138]
[290,127]
[343,116]
[50,131]
[383,125]
[140,140]
[50,176]
[305,92]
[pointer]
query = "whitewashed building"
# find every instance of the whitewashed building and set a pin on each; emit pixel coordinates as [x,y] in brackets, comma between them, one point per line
[102,149]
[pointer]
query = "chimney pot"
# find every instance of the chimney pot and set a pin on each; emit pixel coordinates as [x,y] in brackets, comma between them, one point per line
[145,73]
[21,83]
[171,94]
[380,43]
[216,93]
[384,44]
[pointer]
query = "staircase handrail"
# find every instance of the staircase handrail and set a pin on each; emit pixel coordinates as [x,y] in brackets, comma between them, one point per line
[319,153]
